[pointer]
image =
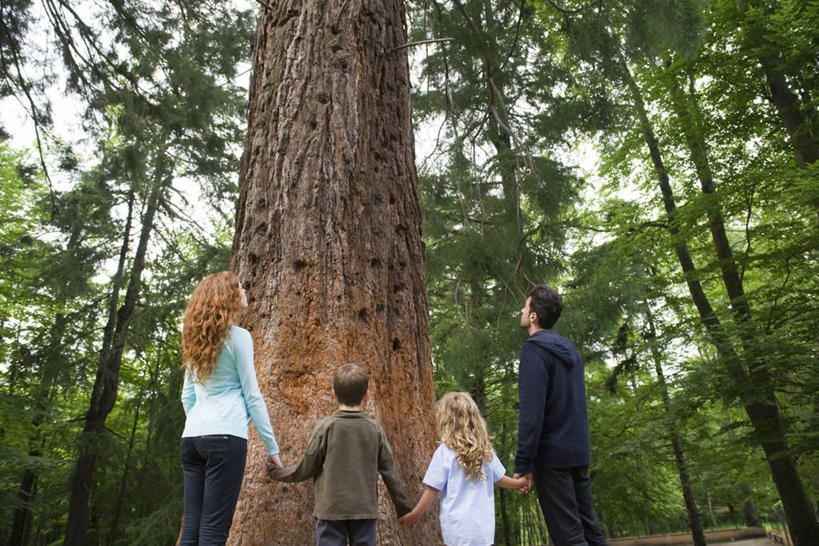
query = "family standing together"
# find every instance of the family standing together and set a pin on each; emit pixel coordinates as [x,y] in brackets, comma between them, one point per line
[348,449]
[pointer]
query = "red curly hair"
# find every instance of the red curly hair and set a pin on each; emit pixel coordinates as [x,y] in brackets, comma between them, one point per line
[207,320]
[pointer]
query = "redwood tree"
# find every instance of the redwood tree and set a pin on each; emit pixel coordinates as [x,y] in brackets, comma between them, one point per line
[328,246]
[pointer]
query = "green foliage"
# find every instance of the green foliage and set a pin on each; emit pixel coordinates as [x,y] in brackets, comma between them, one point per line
[509,98]
[164,119]
[579,68]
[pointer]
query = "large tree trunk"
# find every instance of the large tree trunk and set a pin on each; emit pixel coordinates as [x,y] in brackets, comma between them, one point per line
[328,245]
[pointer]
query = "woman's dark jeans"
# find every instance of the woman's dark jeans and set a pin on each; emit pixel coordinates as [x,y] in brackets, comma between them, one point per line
[212,468]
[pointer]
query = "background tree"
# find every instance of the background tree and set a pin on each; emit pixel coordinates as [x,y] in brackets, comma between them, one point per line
[163,111]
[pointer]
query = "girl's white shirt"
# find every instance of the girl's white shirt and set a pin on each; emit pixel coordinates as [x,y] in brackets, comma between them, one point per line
[467,511]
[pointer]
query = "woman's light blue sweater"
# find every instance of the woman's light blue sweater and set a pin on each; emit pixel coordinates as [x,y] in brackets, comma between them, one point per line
[230,397]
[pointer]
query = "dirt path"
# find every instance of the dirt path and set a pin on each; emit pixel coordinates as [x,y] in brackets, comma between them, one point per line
[748,542]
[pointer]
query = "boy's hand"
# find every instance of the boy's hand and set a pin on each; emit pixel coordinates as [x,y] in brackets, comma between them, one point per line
[409,520]
[275,460]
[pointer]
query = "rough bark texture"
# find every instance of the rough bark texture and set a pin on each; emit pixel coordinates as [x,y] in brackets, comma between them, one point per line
[328,246]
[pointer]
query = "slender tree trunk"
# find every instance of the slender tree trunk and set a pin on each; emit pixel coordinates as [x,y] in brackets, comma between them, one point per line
[21,523]
[112,534]
[328,245]
[761,404]
[711,510]
[789,109]
[690,121]
[796,117]
[106,383]
[694,519]
[506,525]
[751,514]
[695,289]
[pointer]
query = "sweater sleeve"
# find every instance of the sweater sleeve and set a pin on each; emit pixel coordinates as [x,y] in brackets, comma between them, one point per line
[533,382]
[243,349]
[310,464]
[395,487]
[188,394]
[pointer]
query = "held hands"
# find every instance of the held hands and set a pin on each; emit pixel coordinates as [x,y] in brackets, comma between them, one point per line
[525,482]
[409,520]
[275,460]
[427,497]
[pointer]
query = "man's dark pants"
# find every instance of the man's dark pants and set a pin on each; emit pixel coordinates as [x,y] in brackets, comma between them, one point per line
[566,501]
[361,532]
[212,470]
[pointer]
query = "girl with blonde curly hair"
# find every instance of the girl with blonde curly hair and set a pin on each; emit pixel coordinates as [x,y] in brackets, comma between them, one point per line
[220,393]
[463,471]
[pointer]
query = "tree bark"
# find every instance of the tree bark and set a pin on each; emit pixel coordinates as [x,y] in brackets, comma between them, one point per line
[21,526]
[328,246]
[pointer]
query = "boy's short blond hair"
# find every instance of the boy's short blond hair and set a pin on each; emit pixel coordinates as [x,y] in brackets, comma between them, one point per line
[350,384]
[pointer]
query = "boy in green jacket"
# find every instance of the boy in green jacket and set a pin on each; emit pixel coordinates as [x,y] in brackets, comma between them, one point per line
[345,453]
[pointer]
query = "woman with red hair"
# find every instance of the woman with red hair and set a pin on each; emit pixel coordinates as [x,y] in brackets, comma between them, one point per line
[220,395]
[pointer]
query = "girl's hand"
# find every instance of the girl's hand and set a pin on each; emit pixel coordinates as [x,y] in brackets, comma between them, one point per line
[524,483]
[275,460]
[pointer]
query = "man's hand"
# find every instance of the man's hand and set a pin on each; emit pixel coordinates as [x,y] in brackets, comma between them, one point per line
[275,460]
[528,486]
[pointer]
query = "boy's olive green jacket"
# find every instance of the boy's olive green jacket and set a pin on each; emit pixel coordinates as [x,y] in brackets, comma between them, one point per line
[344,456]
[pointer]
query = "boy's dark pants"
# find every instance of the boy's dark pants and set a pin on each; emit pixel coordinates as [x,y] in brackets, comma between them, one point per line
[212,469]
[361,532]
[566,501]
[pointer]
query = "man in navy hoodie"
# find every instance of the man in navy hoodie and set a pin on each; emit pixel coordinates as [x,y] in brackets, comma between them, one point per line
[553,429]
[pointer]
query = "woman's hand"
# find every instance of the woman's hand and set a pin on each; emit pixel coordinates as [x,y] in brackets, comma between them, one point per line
[275,460]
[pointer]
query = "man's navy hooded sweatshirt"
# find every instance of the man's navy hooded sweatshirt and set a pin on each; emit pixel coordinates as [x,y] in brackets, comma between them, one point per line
[553,430]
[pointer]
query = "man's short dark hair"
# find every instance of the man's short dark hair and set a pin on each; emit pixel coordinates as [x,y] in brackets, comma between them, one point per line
[350,384]
[547,304]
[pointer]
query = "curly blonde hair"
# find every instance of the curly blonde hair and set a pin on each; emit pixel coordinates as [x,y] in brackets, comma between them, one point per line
[207,320]
[463,430]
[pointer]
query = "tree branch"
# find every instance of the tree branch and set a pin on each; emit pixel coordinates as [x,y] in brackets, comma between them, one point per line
[422,42]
